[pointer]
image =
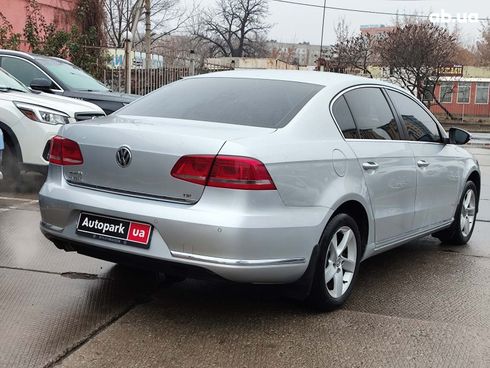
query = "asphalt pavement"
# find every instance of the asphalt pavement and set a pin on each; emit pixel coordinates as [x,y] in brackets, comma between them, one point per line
[420,305]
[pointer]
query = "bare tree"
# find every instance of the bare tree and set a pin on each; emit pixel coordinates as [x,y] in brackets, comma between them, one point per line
[342,31]
[288,54]
[483,45]
[356,52]
[233,27]
[166,17]
[415,54]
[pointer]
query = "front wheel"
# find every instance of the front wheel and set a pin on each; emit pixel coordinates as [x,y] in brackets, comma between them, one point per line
[338,263]
[10,164]
[460,231]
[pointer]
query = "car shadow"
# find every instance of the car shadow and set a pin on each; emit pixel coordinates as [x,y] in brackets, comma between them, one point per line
[404,281]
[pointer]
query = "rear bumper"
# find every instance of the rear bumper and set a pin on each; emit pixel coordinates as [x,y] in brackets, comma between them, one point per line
[272,244]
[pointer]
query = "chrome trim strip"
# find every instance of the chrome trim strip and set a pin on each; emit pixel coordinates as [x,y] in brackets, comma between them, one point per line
[384,85]
[238,262]
[130,194]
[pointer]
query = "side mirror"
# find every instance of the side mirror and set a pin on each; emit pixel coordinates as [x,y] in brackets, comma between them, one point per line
[41,84]
[458,136]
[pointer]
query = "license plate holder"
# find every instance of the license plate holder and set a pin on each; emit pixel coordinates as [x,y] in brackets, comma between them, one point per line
[114,230]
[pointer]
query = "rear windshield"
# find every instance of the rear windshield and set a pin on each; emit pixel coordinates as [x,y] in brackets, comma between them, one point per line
[241,101]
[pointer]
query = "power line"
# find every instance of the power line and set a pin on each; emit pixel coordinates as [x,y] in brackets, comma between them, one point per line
[365,11]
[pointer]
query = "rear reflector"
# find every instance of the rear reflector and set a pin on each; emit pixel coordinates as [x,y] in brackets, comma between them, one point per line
[232,172]
[65,152]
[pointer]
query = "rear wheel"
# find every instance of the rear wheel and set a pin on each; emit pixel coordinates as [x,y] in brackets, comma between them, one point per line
[338,263]
[460,231]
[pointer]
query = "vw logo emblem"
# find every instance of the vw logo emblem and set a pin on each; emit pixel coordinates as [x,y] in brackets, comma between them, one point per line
[123,156]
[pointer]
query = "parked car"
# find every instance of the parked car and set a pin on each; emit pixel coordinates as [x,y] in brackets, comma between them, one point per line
[29,120]
[277,177]
[58,76]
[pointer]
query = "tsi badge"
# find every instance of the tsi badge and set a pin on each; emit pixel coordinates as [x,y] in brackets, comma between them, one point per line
[123,156]
[75,176]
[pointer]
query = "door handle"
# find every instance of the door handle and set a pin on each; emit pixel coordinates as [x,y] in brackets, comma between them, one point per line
[422,163]
[370,165]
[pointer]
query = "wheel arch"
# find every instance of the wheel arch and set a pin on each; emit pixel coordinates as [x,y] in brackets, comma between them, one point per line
[358,212]
[475,177]
[9,135]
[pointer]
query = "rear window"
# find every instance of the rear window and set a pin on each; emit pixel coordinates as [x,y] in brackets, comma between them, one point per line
[241,101]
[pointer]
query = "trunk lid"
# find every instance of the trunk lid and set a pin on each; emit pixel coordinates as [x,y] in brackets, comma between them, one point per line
[155,145]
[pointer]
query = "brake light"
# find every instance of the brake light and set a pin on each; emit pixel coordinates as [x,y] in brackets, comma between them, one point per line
[65,152]
[232,172]
[193,168]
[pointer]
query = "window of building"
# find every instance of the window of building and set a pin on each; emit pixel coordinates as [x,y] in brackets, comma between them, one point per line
[482,89]
[419,124]
[344,118]
[372,114]
[464,92]
[429,91]
[446,92]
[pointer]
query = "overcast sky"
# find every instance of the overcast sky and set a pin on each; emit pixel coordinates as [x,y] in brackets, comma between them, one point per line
[293,23]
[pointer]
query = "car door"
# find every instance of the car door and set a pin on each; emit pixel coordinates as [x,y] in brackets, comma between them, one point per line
[439,170]
[386,161]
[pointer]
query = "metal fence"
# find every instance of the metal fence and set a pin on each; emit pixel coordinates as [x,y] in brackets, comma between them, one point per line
[145,80]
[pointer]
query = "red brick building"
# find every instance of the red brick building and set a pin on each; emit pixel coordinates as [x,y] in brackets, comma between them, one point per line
[58,12]
[375,29]
[463,97]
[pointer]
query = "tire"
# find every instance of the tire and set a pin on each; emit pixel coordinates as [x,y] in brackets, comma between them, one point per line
[460,231]
[10,164]
[335,275]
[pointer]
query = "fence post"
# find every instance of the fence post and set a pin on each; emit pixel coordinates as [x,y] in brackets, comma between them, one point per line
[192,65]
[127,65]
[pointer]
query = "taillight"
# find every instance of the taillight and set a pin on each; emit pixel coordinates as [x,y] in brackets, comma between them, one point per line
[65,152]
[193,168]
[232,172]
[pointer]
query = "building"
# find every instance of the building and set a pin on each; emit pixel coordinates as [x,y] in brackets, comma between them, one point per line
[302,54]
[250,63]
[463,97]
[59,12]
[466,95]
[375,29]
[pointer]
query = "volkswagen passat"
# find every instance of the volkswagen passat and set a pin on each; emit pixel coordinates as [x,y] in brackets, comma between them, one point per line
[280,177]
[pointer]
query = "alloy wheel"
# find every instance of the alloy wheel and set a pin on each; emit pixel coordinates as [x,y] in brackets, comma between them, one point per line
[467,219]
[341,261]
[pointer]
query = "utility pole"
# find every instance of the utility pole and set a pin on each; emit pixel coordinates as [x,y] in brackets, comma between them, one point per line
[148,34]
[323,26]
[128,42]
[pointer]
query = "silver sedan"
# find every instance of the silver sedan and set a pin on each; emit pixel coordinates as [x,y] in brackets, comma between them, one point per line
[280,177]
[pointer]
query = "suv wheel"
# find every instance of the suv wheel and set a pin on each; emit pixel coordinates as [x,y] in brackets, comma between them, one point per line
[338,263]
[10,164]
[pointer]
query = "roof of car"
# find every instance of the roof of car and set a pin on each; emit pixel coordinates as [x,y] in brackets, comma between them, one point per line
[29,55]
[314,77]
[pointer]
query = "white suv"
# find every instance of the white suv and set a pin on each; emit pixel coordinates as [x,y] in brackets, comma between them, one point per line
[29,120]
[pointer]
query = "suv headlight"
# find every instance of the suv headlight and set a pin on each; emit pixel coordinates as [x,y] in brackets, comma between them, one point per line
[42,114]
